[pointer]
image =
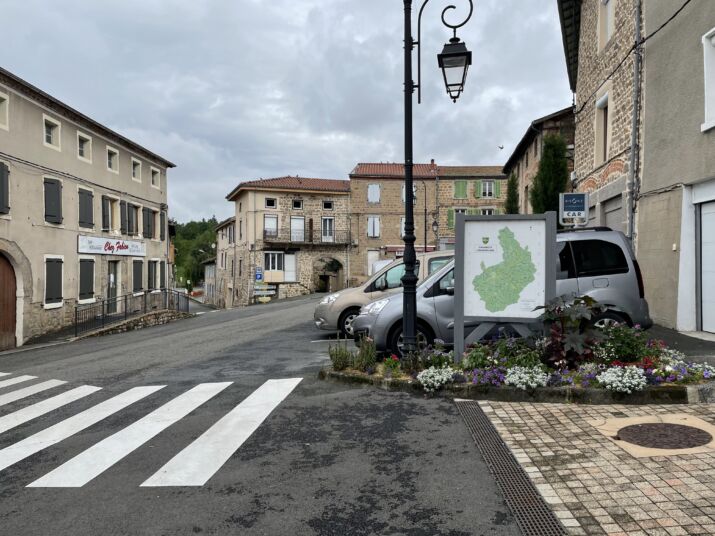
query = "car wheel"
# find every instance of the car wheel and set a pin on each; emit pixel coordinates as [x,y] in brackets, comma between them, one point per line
[608,319]
[424,339]
[346,321]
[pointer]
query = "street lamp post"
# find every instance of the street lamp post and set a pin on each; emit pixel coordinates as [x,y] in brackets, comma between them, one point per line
[454,60]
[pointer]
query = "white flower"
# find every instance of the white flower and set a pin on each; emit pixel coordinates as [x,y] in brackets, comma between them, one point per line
[668,368]
[434,378]
[623,379]
[526,377]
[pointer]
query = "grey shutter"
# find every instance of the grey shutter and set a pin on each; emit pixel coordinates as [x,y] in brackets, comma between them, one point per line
[123,216]
[150,275]
[137,283]
[105,213]
[53,280]
[162,274]
[4,189]
[86,279]
[162,223]
[53,201]
[86,208]
[131,219]
[145,223]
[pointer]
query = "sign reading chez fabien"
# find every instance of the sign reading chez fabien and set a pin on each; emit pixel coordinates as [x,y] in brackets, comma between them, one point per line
[95,245]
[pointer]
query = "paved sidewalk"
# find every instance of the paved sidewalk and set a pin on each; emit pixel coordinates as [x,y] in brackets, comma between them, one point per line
[597,487]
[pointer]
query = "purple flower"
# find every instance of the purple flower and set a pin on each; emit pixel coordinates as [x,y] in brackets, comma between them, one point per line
[706,374]
[670,378]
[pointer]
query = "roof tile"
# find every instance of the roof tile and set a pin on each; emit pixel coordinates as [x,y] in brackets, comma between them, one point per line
[294,183]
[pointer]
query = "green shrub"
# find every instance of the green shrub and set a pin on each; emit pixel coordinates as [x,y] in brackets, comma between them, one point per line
[366,356]
[624,343]
[340,356]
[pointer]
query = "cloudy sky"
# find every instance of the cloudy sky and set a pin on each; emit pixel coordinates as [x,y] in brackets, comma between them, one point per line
[233,90]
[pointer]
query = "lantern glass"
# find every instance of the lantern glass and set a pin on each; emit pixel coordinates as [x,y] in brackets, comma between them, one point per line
[454,61]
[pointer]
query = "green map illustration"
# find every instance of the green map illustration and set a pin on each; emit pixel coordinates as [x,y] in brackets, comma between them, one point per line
[500,285]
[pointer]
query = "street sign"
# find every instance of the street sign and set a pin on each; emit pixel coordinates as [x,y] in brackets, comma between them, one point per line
[264,286]
[264,292]
[259,273]
[573,208]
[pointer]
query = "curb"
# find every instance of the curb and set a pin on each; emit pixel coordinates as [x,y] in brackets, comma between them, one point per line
[669,394]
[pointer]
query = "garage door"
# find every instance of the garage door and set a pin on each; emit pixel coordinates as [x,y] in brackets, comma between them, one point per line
[613,209]
[707,285]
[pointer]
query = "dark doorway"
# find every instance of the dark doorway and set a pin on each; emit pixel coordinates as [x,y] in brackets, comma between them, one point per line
[8,303]
[112,283]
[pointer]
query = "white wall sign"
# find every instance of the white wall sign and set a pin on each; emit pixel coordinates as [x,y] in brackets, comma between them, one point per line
[95,245]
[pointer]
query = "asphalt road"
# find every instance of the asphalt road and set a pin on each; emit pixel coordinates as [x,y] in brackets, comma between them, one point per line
[329,459]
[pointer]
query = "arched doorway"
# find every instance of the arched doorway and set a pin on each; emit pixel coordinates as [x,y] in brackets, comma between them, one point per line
[8,304]
[328,275]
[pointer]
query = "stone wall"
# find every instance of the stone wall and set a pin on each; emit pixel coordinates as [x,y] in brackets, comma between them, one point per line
[154,318]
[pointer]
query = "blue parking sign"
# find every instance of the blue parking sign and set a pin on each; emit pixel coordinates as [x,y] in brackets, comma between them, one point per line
[259,274]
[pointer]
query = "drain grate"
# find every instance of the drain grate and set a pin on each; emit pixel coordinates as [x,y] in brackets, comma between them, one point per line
[660,435]
[531,512]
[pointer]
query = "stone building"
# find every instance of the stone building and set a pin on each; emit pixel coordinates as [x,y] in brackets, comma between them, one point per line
[524,161]
[82,213]
[293,231]
[225,262]
[672,183]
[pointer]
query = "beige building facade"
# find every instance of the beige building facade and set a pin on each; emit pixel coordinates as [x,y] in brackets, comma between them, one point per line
[292,238]
[83,213]
[225,267]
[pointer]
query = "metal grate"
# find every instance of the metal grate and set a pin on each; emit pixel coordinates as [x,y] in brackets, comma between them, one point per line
[661,435]
[531,512]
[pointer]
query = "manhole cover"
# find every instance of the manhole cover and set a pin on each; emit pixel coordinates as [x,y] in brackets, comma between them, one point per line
[664,436]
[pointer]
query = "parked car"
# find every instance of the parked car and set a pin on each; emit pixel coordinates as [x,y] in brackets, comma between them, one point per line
[594,262]
[338,310]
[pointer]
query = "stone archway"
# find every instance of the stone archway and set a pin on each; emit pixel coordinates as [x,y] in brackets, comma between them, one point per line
[328,274]
[23,287]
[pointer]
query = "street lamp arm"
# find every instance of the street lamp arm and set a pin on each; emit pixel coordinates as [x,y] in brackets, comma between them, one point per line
[419,38]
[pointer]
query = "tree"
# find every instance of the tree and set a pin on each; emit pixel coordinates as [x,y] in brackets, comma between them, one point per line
[511,205]
[552,177]
[193,242]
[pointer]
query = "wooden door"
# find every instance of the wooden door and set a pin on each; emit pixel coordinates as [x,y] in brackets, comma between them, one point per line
[8,293]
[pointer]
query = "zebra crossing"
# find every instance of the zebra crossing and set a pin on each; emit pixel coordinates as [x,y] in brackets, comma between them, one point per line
[194,465]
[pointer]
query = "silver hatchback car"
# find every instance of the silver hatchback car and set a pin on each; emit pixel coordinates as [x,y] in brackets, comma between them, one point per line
[593,262]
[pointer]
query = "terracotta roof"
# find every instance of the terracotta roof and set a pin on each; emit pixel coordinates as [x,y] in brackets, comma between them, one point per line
[293,183]
[469,171]
[392,170]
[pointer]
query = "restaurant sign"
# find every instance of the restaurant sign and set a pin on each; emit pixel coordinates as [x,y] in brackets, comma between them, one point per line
[95,245]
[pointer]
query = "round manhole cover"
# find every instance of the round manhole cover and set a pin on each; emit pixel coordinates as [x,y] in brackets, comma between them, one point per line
[664,436]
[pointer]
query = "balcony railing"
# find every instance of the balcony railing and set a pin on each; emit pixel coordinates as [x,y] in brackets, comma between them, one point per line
[306,237]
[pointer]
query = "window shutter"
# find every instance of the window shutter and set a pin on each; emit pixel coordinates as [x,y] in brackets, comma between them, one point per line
[53,201]
[450,218]
[497,188]
[4,189]
[473,212]
[478,189]
[86,208]
[86,279]
[105,213]
[151,275]
[162,274]
[146,229]
[137,278]
[162,229]
[131,219]
[123,216]
[460,189]
[53,280]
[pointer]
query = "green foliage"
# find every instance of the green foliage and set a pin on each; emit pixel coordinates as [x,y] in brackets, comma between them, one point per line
[431,356]
[552,177]
[392,365]
[340,356]
[505,352]
[193,242]
[626,344]
[511,205]
[366,356]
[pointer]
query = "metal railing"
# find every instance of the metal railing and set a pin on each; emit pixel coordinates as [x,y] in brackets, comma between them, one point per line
[306,237]
[106,312]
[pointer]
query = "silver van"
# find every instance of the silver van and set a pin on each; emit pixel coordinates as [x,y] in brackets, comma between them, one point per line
[594,262]
[338,310]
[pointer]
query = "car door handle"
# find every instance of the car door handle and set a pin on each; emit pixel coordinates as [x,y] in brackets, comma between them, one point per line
[601,282]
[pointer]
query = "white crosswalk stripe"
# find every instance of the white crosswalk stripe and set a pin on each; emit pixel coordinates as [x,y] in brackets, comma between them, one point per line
[101,456]
[16,379]
[67,428]
[4,374]
[198,462]
[29,391]
[11,420]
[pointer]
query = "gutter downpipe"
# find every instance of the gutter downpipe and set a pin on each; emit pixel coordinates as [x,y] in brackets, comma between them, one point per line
[631,186]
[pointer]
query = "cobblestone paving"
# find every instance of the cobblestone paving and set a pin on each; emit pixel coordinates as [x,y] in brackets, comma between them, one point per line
[596,487]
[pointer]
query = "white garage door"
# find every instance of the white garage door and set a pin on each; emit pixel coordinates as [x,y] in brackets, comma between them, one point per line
[707,241]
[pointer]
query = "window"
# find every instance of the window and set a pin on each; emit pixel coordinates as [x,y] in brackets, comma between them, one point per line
[327,229]
[390,279]
[373,193]
[240,267]
[4,111]
[137,274]
[373,226]
[598,257]
[52,131]
[112,160]
[460,190]
[136,170]
[151,271]
[327,205]
[155,178]
[110,214]
[240,229]
[447,282]
[270,225]
[86,208]
[84,147]
[231,232]
[271,202]
[297,204]
[53,201]
[709,57]
[487,188]
[132,220]
[565,268]
[149,222]
[240,207]
[53,281]
[435,264]
[603,128]
[606,19]
[487,212]
[414,193]
[297,229]
[273,261]
[4,189]
[86,279]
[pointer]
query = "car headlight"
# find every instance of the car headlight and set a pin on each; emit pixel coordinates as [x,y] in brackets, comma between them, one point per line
[330,298]
[374,308]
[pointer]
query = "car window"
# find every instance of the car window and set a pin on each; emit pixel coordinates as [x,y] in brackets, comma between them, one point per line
[598,257]
[565,268]
[391,278]
[447,281]
[435,264]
